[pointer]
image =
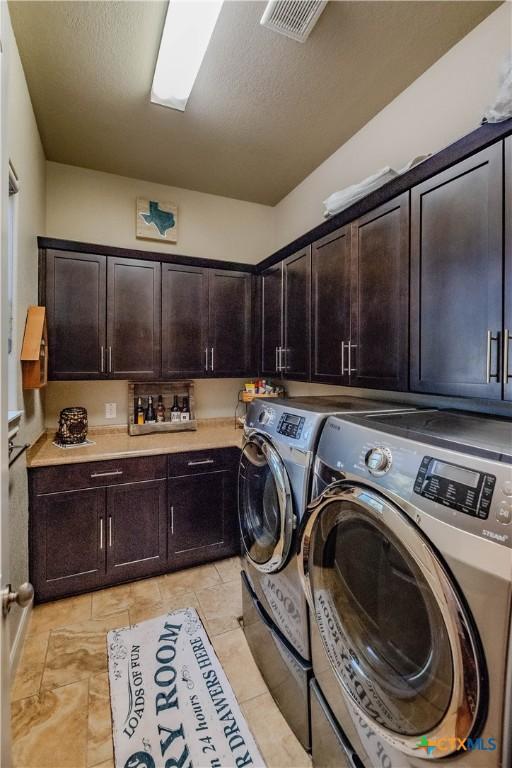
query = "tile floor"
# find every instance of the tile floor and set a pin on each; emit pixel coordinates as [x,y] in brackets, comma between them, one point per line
[60,697]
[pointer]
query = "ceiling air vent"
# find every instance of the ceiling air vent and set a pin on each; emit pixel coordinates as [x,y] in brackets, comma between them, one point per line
[293,18]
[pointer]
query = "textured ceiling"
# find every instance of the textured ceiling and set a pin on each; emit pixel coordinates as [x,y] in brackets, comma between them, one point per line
[264,111]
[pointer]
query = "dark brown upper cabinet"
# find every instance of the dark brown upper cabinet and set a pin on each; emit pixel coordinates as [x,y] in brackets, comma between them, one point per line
[229,350]
[206,322]
[76,287]
[377,352]
[285,317]
[507,333]
[295,360]
[271,319]
[457,279]
[133,319]
[330,307]
[184,321]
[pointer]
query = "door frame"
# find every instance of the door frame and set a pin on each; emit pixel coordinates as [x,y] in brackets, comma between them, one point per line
[5,651]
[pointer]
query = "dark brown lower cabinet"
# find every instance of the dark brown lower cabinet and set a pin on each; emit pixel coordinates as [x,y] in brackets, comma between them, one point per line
[125,528]
[203,523]
[67,540]
[136,530]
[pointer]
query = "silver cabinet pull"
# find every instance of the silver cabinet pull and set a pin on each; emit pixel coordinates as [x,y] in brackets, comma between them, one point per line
[488,375]
[350,347]
[101,533]
[206,358]
[277,365]
[506,341]
[110,530]
[110,359]
[102,348]
[198,462]
[172,519]
[212,358]
[342,358]
[283,365]
[113,473]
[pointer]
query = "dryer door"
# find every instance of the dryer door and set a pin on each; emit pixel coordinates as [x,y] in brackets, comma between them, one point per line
[265,506]
[394,628]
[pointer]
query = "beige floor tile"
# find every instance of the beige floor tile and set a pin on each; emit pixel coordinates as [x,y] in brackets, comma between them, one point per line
[229,570]
[30,669]
[80,650]
[238,664]
[60,613]
[50,730]
[189,580]
[144,612]
[99,730]
[222,605]
[276,741]
[140,593]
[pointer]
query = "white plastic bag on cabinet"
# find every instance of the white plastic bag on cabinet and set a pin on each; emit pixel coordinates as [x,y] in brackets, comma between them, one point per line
[502,107]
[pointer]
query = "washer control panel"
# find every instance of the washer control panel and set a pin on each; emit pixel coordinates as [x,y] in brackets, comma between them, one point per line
[454,486]
[290,425]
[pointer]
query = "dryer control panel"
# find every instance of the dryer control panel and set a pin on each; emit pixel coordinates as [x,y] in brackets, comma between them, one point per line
[454,486]
[290,425]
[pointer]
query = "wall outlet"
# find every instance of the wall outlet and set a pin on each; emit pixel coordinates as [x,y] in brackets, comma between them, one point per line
[110,410]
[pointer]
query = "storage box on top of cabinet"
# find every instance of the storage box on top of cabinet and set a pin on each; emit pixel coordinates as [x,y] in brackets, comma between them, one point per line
[168,390]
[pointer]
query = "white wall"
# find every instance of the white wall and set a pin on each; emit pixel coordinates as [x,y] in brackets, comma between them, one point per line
[443,104]
[99,208]
[27,157]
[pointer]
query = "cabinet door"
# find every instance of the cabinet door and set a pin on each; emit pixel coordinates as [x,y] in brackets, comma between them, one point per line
[507,340]
[136,529]
[67,542]
[184,321]
[456,278]
[76,311]
[297,305]
[133,319]
[331,307]
[230,320]
[203,521]
[379,332]
[271,318]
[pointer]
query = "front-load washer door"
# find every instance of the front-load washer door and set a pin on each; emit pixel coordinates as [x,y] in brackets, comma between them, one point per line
[265,505]
[394,628]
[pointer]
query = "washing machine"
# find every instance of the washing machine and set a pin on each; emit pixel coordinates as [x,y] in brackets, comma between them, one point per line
[273,491]
[407,566]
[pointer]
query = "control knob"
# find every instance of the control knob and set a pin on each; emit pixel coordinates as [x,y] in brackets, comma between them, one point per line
[264,417]
[378,460]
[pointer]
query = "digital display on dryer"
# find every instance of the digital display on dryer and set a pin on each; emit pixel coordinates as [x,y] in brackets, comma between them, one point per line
[290,425]
[454,486]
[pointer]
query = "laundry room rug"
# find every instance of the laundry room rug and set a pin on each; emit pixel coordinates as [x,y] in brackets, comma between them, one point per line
[172,704]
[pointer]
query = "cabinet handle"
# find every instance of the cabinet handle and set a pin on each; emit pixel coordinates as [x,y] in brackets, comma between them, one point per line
[202,461]
[277,365]
[212,358]
[101,533]
[206,358]
[172,519]
[102,359]
[282,356]
[488,375]
[110,530]
[350,346]
[506,342]
[342,358]
[114,473]
[110,359]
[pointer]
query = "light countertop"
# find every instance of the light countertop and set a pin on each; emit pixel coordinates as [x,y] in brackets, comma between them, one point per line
[115,443]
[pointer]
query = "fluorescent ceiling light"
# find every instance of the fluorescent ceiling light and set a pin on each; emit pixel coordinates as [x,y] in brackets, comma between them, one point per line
[188,27]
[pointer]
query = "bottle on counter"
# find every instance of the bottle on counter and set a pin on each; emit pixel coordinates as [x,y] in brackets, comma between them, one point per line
[139,413]
[185,410]
[175,410]
[150,412]
[160,410]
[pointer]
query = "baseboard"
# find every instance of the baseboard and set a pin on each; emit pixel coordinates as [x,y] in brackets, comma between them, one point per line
[17,645]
